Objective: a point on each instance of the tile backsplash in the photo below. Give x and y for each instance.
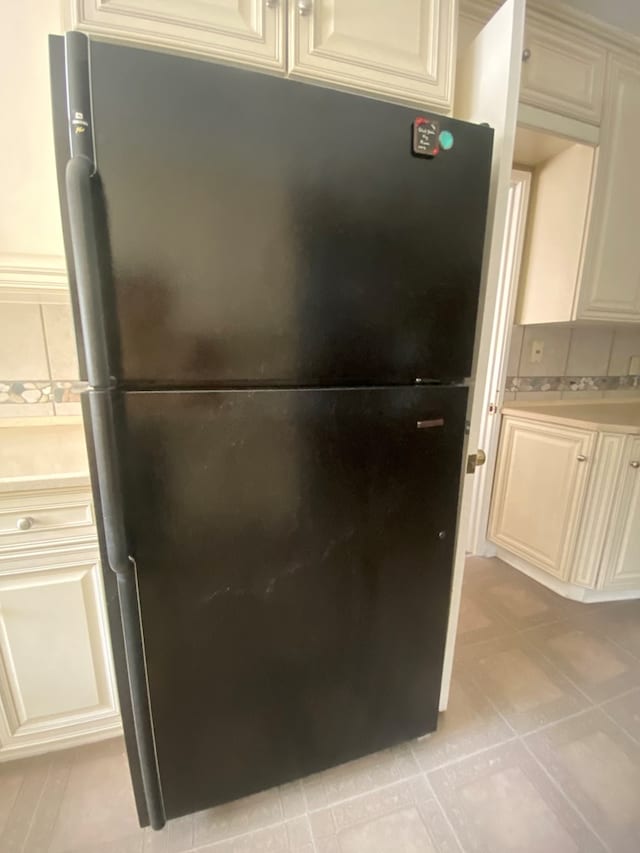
(561, 361)
(38, 361)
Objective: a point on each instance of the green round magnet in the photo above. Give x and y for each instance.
(446, 140)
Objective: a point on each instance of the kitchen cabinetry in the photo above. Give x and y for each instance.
(611, 280)
(566, 500)
(251, 32)
(57, 686)
(582, 256)
(401, 51)
(552, 265)
(539, 491)
(622, 555)
(561, 71)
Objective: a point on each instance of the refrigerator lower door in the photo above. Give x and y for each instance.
(294, 552)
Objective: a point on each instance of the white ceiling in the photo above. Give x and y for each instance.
(621, 13)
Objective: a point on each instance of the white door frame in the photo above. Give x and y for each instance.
(487, 90)
(500, 341)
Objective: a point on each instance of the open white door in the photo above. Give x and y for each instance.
(500, 339)
(487, 88)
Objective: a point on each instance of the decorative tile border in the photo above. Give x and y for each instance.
(572, 383)
(29, 391)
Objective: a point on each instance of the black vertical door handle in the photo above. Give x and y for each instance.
(80, 181)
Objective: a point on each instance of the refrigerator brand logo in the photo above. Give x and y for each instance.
(79, 123)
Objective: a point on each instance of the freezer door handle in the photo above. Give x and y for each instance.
(84, 243)
(430, 423)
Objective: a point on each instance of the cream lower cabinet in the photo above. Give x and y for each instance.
(566, 505)
(621, 557)
(57, 685)
(539, 490)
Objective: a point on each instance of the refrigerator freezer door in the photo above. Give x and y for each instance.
(294, 552)
(265, 231)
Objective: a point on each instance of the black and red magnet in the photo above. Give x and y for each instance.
(426, 133)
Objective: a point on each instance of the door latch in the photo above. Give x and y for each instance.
(474, 460)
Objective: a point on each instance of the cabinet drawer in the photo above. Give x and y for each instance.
(561, 74)
(33, 518)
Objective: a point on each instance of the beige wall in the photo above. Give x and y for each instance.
(29, 214)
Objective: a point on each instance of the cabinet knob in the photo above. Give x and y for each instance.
(526, 54)
(24, 523)
(271, 4)
(581, 457)
(304, 6)
(635, 464)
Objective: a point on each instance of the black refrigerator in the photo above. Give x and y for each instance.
(275, 288)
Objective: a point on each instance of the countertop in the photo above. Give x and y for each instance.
(79, 479)
(42, 449)
(603, 416)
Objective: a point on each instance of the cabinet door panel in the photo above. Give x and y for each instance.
(55, 673)
(622, 556)
(561, 74)
(611, 280)
(402, 50)
(539, 491)
(247, 31)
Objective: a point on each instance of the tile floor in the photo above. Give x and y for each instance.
(539, 752)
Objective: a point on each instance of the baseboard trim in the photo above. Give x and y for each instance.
(567, 590)
(15, 751)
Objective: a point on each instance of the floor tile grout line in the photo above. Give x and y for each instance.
(620, 646)
(594, 702)
(444, 814)
(311, 835)
(618, 725)
(623, 694)
(580, 620)
(565, 796)
(250, 832)
(473, 754)
(37, 806)
(19, 792)
(540, 653)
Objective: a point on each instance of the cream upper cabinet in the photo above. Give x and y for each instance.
(539, 490)
(552, 264)
(251, 32)
(561, 71)
(621, 559)
(401, 51)
(611, 279)
(404, 51)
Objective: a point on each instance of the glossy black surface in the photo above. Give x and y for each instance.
(264, 231)
(294, 583)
